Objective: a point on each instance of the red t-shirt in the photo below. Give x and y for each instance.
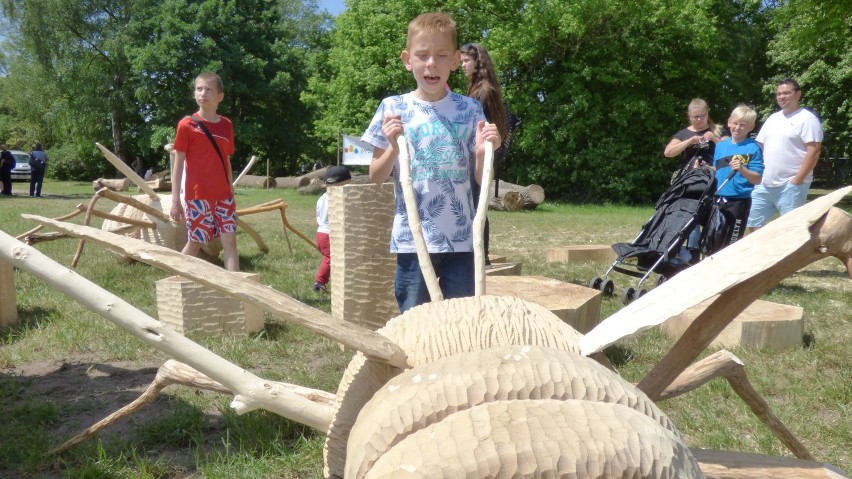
(205, 178)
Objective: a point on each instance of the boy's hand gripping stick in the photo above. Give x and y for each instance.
(414, 221)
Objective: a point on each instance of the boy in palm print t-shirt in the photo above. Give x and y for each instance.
(446, 133)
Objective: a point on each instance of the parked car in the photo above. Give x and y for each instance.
(21, 172)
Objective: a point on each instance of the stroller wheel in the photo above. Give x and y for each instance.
(596, 283)
(661, 280)
(642, 292)
(628, 296)
(608, 288)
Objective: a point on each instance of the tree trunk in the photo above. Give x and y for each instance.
(513, 197)
(255, 181)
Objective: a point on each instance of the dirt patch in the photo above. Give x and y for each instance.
(84, 392)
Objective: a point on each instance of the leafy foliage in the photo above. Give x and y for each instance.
(600, 86)
(813, 43)
(122, 71)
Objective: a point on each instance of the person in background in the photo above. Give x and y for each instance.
(697, 142)
(445, 132)
(7, 164)
(697, 145)
(203, 148)
(38, 166)
(791, 140)
(482, 85)
(334, 176)
(739, 166)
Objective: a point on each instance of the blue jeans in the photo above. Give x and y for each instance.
(454, 271)
(768, 200)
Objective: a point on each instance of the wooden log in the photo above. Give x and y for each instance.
(159, 185)
(272, 301)
(515, 197)
(121, 184)
(315, 186)
(291, 181)
(8, 299)
(252, 392)
(255, 181)
(742, 465)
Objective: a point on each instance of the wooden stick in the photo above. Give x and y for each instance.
(252, 391)
(355, 337)
(128, 171)
(122, 219)
(80, 209)
(414, 222)
(174, 372)
(726, 270)
(479, 221)
(246, 169)
(723, 363)
(91, 206)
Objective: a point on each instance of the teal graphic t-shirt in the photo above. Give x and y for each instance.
(441, 140)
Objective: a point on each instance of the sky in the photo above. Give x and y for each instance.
(334, 7)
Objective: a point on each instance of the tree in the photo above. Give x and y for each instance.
(123, 70)
(599, 85)
(813, 43)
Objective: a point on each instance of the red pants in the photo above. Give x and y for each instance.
(324, 271)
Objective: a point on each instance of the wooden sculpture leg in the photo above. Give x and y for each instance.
(725, 364)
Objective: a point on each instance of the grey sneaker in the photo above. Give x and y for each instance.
(320, 287)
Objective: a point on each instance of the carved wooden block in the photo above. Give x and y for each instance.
(495, 258)
(503, 269)
(580, 253)
(8, 300)
(578, 306)
(190, 307)
(762, 325)
(362, 267)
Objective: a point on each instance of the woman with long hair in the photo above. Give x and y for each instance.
(696, 142)
(482, 85)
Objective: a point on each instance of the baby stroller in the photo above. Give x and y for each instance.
(684, 206)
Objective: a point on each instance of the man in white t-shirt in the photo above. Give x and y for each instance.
(791, 140)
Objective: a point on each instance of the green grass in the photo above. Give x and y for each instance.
(187, 431)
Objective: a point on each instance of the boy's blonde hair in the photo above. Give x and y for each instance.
(213, 78)
(744, 113)
(435, 22)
